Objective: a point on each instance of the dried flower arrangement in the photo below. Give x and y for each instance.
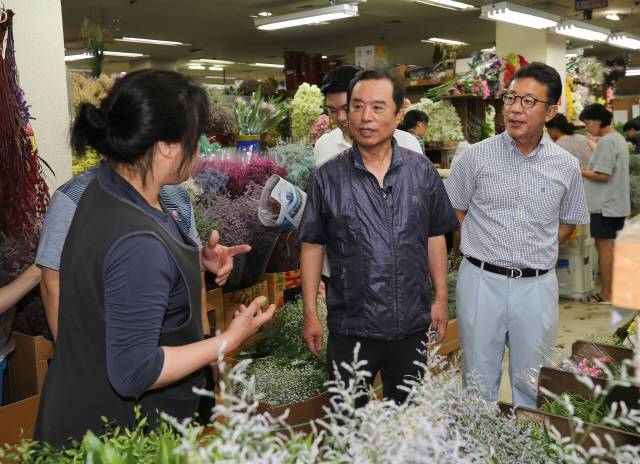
(90, 90)
(298, 159)
(248, 87)
(283, 368)
(241, 175)
(221, 119)
(80, 163)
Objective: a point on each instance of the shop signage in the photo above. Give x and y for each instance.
(591, 4)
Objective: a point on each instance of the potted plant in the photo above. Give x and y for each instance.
(255, 118)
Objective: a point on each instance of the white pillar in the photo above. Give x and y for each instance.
(39, 44)
(534, 45)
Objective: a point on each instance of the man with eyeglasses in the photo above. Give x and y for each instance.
(518, 197)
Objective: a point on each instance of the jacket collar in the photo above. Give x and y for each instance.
(396, 158)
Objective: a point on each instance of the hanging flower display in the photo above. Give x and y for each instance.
(617, 69)
(585, 70)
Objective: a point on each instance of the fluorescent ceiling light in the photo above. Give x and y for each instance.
(582, 31)
(571, 55)
(624, 40)
(324, 56)
(150, 41)
(215, 68)
(264, 13)
(131, 55)
(84, 56)
(519, 15)
(633, 72)
(448, 4)
(445, 41)
(219, 77)
(267, 65)
(316, 15)
(613, 17)
(217, 61)
(196, 67)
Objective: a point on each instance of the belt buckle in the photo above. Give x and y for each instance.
(511, 273)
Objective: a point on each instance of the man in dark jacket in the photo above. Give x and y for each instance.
(382, 212)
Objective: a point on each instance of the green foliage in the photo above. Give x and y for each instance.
(589, 411)
(285, 370)
(116, 446)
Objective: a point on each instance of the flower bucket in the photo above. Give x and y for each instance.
(248, 143)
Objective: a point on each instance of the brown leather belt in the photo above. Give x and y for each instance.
(511, 272)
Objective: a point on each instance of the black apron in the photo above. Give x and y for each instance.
(77, 391)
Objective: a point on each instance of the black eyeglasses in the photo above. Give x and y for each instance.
(527, 102)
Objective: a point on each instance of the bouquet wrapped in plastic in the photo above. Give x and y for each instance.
(281, 204)
(589, 360)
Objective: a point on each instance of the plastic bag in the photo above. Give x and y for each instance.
(544, 354)
(281, 204)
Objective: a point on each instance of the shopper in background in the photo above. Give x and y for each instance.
(130, 328)
(381, 210)
(606, 187)
(562, 131)
(631, 128)
(334, 88)
(12, 293)
(415, 122)
(518, 197)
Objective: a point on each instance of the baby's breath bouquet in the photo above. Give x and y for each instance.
(258, 116)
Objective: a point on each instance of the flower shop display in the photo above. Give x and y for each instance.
(248, 87)
(585, 70)
(89, 90)
(213, 92)
(403, 109)
(473, 86)
(439, 423)
(444, 122)
(634, 183)
(286, 254)
(222, 122)
(307, 106)
(298, 159)
(478, 130)
(80, 163)
(284, 371)
(241, 175)
(617, 69)
(256, 118)
(318, 128)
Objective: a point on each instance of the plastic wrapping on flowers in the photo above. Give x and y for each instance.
(298, 160)
(286, 254)
(485, 76)
(444, 122)
(585, 70)
(285, 370)
(307, 106)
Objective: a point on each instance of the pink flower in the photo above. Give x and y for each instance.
(596, 372)
(271, 108)
(264, 105)
(253, 102)
(240, 101)
(475, 89)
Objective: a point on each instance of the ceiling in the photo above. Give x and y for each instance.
(224, 30)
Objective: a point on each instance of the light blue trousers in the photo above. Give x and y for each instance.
(494, 311)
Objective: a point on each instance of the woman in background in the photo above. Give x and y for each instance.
(415, 122)
(562, 131)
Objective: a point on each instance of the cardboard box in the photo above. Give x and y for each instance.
(278, 284)
(26, 367)
(230, 304)
(371, 56)
(215, 309)
(18, 420)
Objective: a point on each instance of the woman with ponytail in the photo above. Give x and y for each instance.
(562, 131)
(130, 327)
(415, 122)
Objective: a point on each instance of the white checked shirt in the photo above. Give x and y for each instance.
(514, 203)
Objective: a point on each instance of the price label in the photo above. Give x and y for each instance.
(413, 83)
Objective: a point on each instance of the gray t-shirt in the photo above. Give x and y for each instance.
(578, 146)
(62, 207)
(610, 198)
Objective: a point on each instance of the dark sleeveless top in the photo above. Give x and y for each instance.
(77, 391)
